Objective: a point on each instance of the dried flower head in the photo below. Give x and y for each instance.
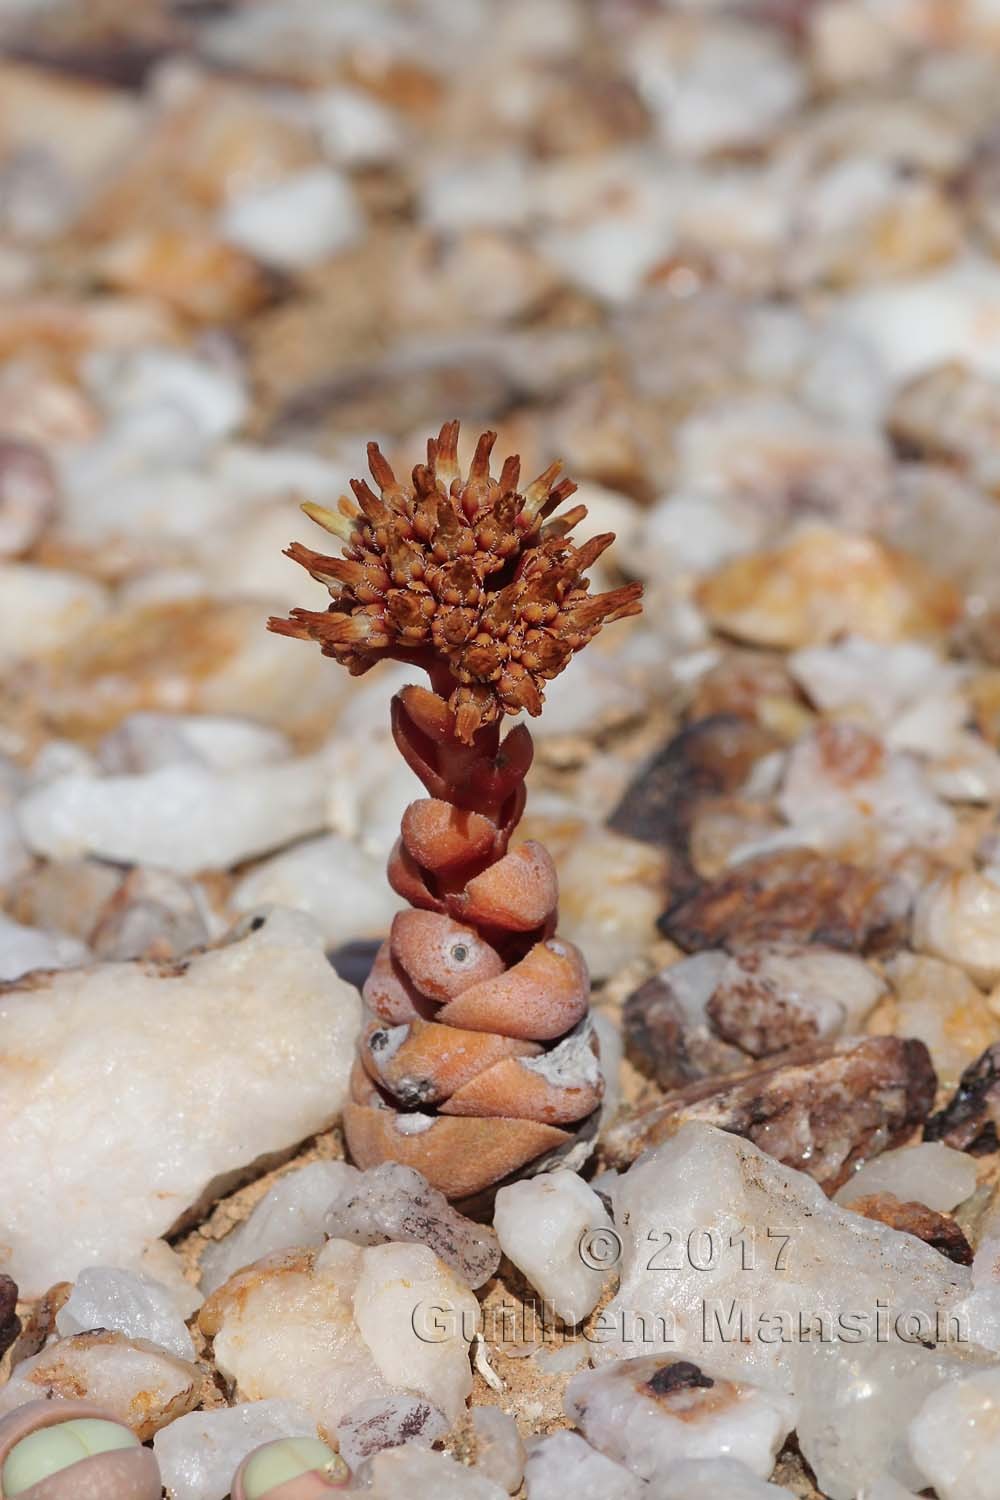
(461, 576)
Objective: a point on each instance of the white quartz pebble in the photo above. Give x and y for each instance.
(291, 1214)
(388, 1422)
(129, 1302)
(696, 1478)
(399, 1291)
(336, 1327)
(393, 1202)
(210, 394)
(651, 1412)
(957, 918)
(565, 1464)
(929, 1172)
(27, 495)
(143, 1092)
(354, 128)
(183, 818)
(414, 1473)
(131, 1379)
(23, 949)
(145, 741)
(44, 608)
(298, 222)
(199, 1454)
(499, 1447)
(955, 1437)
(340, 885)
(540, 1222)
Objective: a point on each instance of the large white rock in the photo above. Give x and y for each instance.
(650, 1414)
(413, 1473)
(903, 689)
(129, 1303)
(393, 1202)
(183, 818)
(930, 1173)
(199, 1453)
(955, 1437)
(211, 394)
(333, 1328)
(566, 1464)
(43, 608)
(388, 1422)
(340, 885)
(23, 949)
(754, 1273)
(130, 1379)
(552, 1228)
(856, 1402)
(298, 222)
(957, 918)
(499, 1447)
(695, 1478)
(145, 741)
(355, 130)
(291, 1215)
(130, 1094)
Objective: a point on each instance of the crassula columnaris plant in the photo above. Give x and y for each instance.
(69, 1450)
(478, 1057)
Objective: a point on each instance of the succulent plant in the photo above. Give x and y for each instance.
(69, 1450)
(290, 1469)
(478, 1058)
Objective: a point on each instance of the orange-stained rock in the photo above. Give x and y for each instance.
(823, 583)
(194, 272)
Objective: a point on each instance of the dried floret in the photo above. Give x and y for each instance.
(466, 577)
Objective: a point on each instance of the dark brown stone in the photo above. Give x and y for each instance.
(10, 1323)
(663, 1043)
(750, 1012)
(794, 895)
(708, 759)
(823, 1111)
(681, 1375)
(969, 1120)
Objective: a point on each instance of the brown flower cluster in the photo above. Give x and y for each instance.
(463, 576)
